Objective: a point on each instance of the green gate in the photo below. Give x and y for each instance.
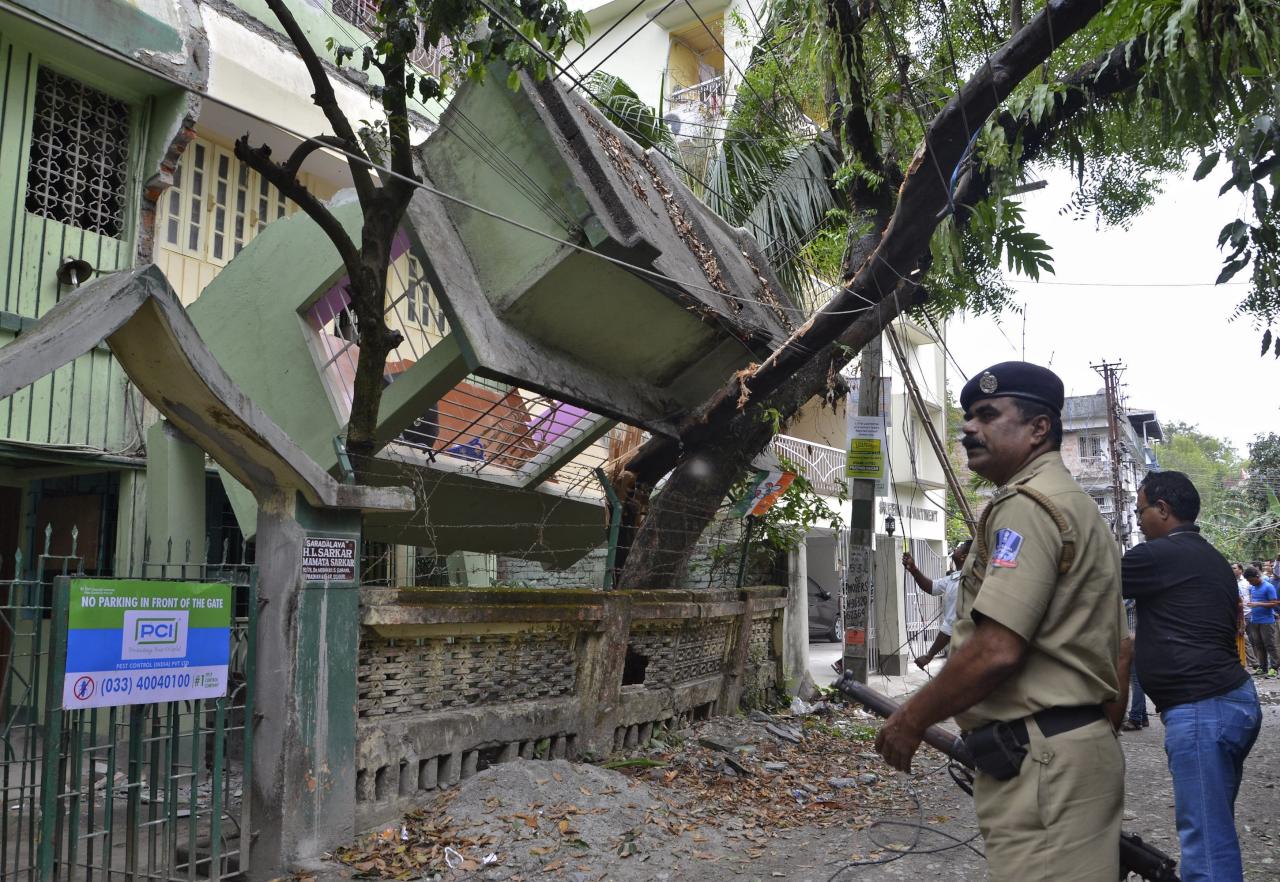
(155, 791)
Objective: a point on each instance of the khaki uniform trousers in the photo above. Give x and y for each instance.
(1059, 820)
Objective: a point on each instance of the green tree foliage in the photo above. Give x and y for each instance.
(1264, 469)
(625, 110)
(1185, 79)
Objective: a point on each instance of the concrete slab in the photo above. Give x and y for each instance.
(156, 344)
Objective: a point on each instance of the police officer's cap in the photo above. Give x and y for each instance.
(1014, 379)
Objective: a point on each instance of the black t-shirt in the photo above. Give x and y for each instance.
(1187, 604)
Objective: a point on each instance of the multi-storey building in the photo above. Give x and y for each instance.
(94, 116)
(1086, 451)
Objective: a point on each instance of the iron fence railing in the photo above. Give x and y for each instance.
(824, 466)
(152, 791)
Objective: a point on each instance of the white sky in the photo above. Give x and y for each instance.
(1186, 360)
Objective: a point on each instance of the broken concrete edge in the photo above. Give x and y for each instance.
(501, 352)
(563, 112)
(405, 600)
(158, 347)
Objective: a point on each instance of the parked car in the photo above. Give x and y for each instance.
(825, 625)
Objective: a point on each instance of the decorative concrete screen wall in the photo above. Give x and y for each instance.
(453, 681)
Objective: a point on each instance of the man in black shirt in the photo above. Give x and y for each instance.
(1187, 599)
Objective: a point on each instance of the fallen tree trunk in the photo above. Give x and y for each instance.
(720, 439)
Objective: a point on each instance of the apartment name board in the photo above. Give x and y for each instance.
(329, 559)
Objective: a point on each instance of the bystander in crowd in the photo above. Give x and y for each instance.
(1187, 606)
(1262, 622)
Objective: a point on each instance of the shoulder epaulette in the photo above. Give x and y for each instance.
(1068, 555)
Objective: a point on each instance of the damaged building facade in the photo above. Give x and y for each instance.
(177, 372)
(179, 355)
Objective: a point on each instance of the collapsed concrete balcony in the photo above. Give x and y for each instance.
(551, 281)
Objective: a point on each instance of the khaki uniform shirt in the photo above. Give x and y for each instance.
(1072, 623)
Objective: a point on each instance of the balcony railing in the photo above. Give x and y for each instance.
(692, 111)
(822, 465)
(364, 15)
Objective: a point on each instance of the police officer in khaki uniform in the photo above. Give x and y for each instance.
(1036, 679)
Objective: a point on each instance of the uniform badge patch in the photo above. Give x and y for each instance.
(1008, 544)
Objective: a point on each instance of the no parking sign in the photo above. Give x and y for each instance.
(138, 642)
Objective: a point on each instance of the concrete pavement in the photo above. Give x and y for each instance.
(822, 655)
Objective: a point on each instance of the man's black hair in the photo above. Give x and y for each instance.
(1176, 490)
(1251, 573)
(1029, 410)
(965, 546)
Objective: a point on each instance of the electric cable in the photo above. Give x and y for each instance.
(918, 827)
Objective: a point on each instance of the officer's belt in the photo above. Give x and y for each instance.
(1056, 720)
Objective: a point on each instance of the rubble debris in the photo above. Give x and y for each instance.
(721, 790)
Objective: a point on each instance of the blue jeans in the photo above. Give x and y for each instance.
(1137, 698)
(1206, 743)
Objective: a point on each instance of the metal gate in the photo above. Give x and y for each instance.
(923, 612)
(154, 791)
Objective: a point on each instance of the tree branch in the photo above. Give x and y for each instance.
(923, 195)
(259, 159)
(293, 165)
(326, 100)
(1114, 72)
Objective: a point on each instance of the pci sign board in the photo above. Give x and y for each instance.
(138, 642)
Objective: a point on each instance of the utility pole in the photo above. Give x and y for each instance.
(862, 527)
(1110, 373)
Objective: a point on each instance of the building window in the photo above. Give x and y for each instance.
(79, 168)
(217, 204)
(1090, 446)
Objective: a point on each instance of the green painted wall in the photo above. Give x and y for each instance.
(127, 26)
(501, 137)
(249, 317)
(82, 403)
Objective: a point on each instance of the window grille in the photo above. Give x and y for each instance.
(79, 168)
(421, 306)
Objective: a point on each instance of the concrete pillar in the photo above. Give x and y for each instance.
(891, 622)
(795, 626)
(304, 772)
(600, 683)
(175, 496)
